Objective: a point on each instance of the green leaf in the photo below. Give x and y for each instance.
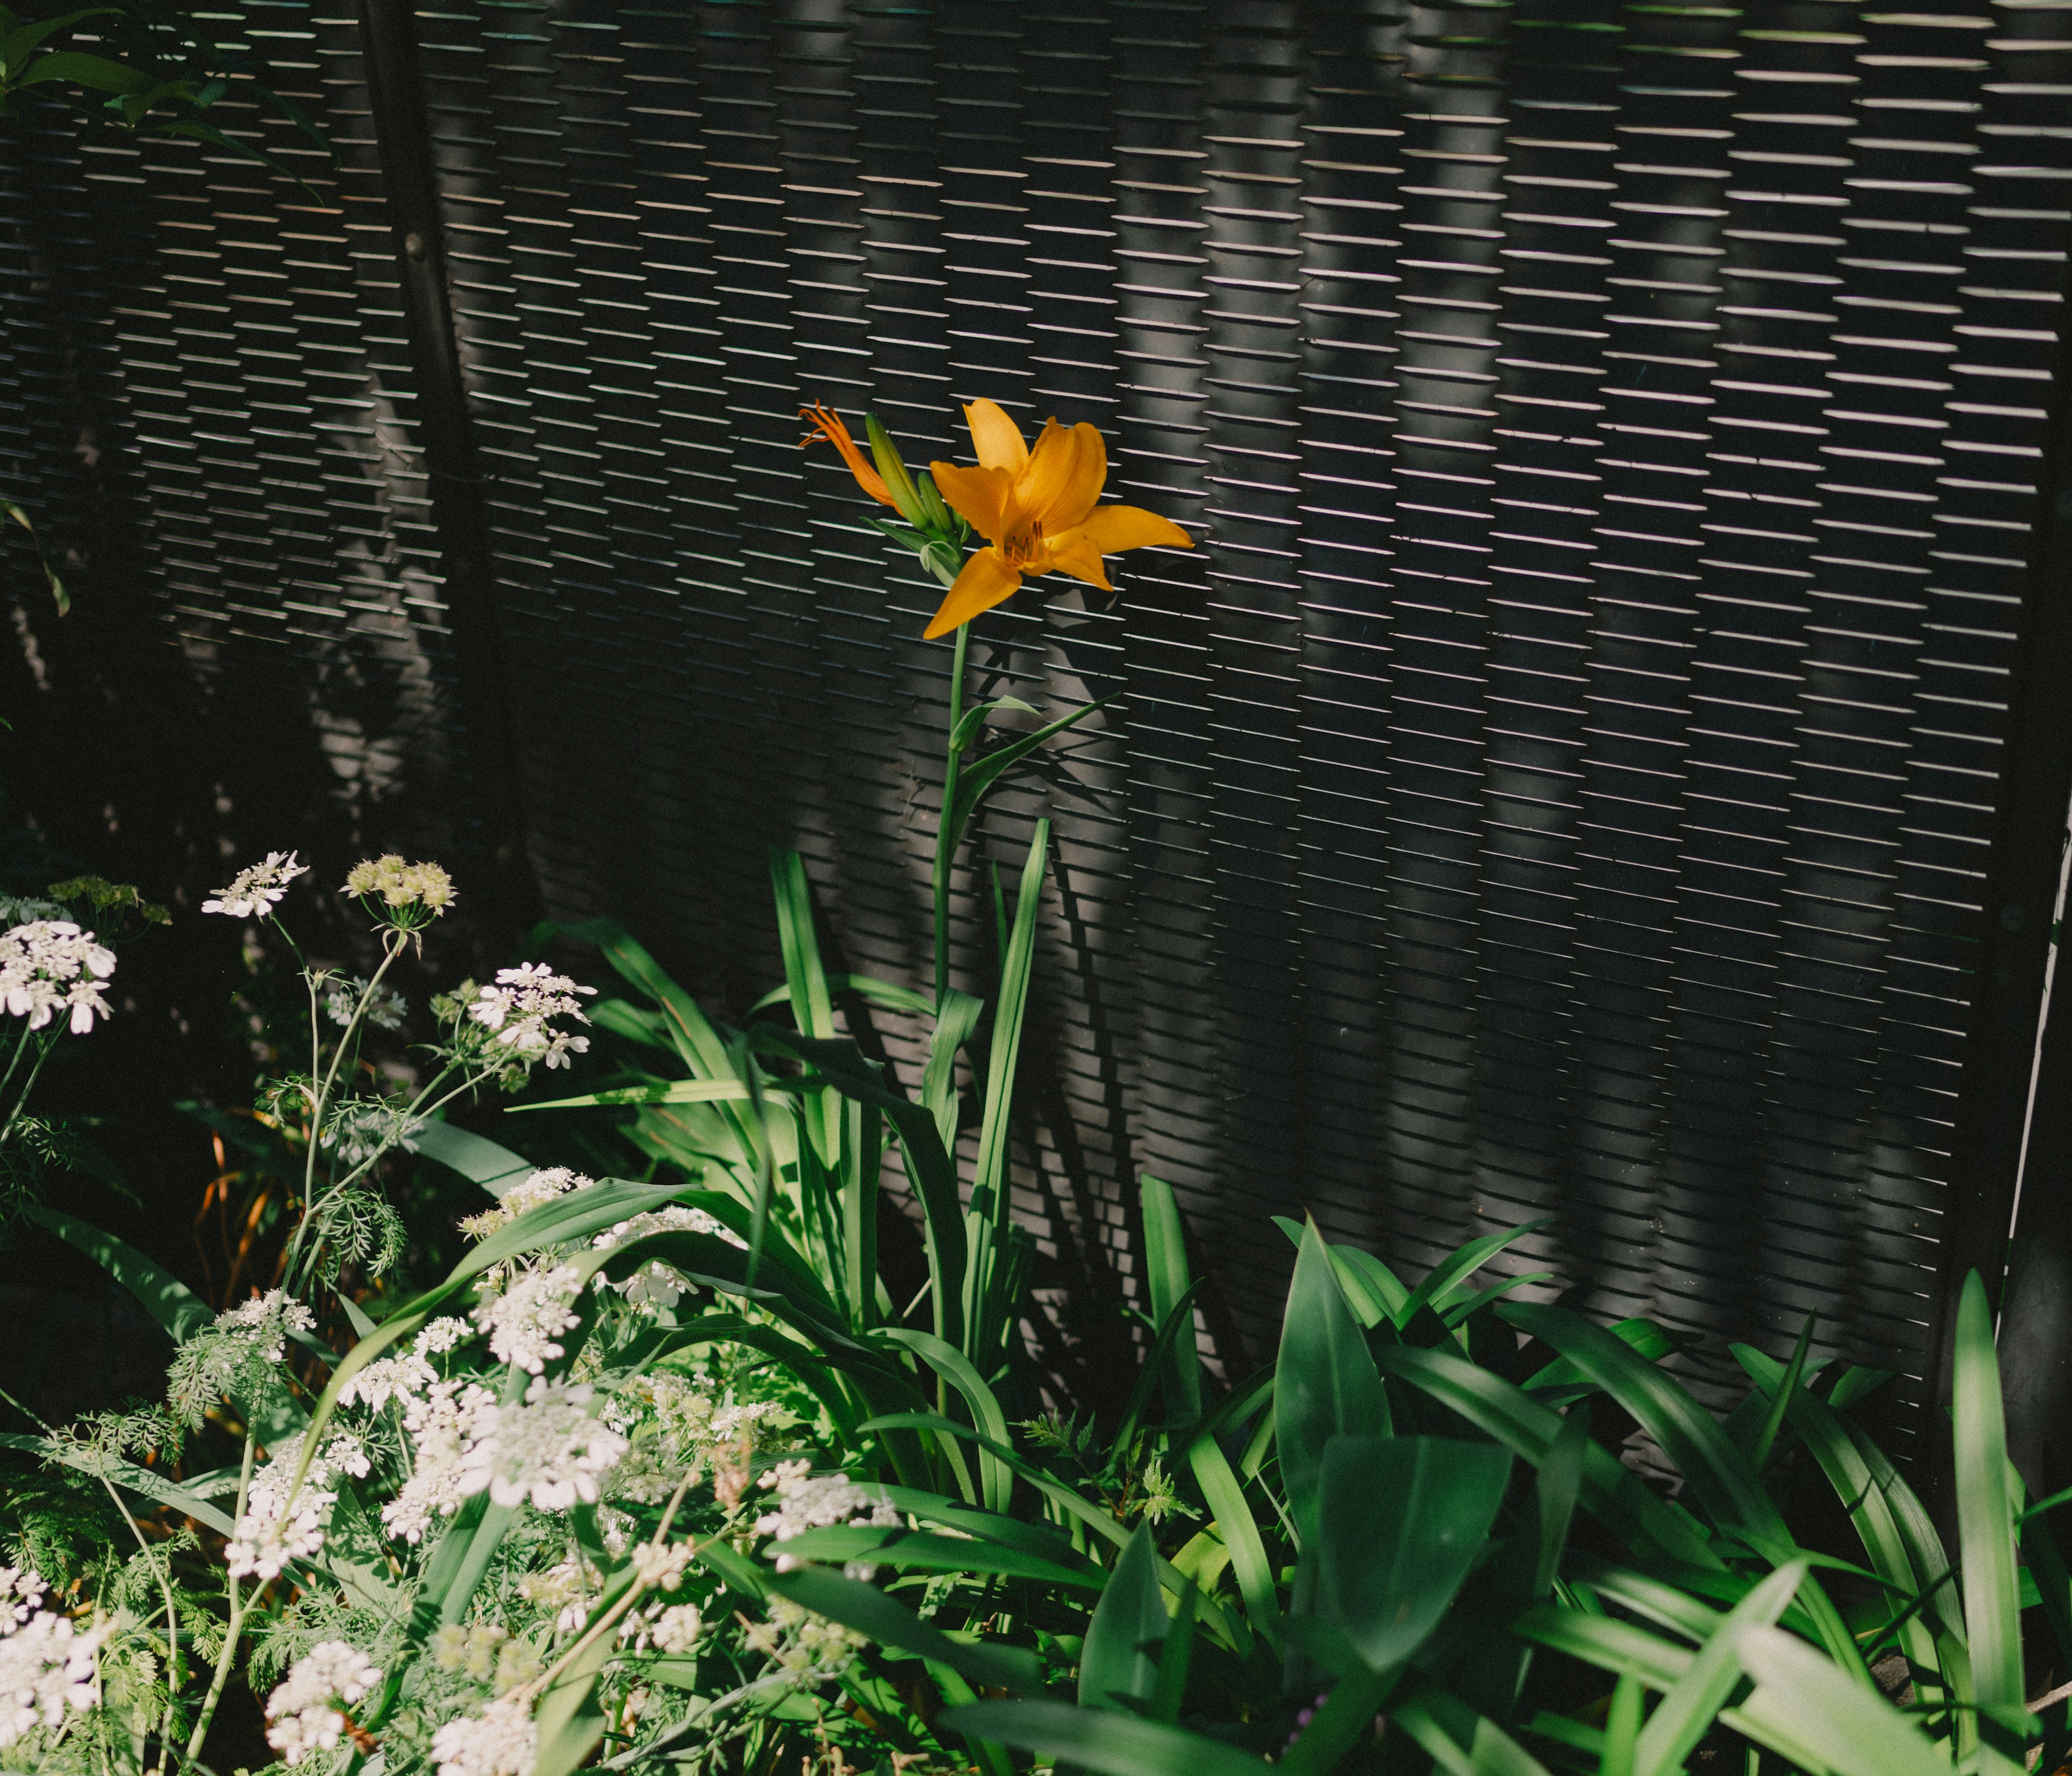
(951, 1364)
(168, 1301)
(1178, 1323)
(1120, 1660)
(1985, 1524)
(1686, 1712)
(1559, 1485)
(804, 974)
(1807, 1709)
(1225, 1498)
(1773, 1421)
(916, 1550)
(1325, 1385)
(955, 1022)
(1447, 1280)
(1037, 1538)
(980, 776)
(1620, 1647)
(1717, 1472)
(988, 1318)
(1611, 1492)
(1458, 1739)
(1167, 1275)
(869, 1611)
(1098, 1740)
(125, 1474)
(882, 993)
(928, 1166)
(1400, 1523)
(95, 72)
(570, 1722)
(495, 1168)
(674, 1091)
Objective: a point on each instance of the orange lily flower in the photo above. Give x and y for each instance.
(827, 423)
(1037, 510)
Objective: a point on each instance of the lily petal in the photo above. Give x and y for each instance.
(1110, 528)
(827, 422)
(996, 438)
(986, 581)
(1075, 553)
(1064, 478)
(983, 497)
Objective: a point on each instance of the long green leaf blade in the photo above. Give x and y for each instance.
(1985, 1524)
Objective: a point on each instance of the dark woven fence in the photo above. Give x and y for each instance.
(1563, 783)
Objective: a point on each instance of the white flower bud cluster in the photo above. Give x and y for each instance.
(517, 1008)
(264, 1323)
(50, 965)
(303, 1714)
(254, 893)
(542, 1186)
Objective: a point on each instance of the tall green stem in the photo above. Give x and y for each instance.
(227, 1657)
(945, 837)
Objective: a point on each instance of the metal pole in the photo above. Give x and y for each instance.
(494, 820)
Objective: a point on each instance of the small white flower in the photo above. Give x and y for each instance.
(676, 1630)
(501, 1741)
(661, 1568)
(386, 1007)
(548, 1448)
(302, 1714)
(807, 1502)
(522, 1323)
(254, 893)
(47, 1665)
(276, 1529)
(654, 1287)
(439, 1423)
(542, 1186)
(517, 1008)
(50, 965)
(265, 1321)
(389, 1377)
(21, 1596)
(441, 1335)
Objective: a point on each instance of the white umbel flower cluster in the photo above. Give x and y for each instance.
(654, 1287)
(50, 965)
(21, 1596)
(439, 1423)
(517, 1008)
(254, 893)
(302, 1715)
(523, 1322)
(48, 1663)
(403, 1377)
(548, 1449)
(275, 1529)
(501, 1741)
(264, 1321)
(544, 1186)
(807, 1501)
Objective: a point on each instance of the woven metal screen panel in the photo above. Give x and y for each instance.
(210, 412)
(1558, 784)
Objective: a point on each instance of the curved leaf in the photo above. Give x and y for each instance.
(1325, 1385)
(168, 1301)
(1114, 1663)
(1095, 1739)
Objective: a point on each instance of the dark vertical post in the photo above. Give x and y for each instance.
(2020, 901)
(2035, 1313)
(460, 515)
